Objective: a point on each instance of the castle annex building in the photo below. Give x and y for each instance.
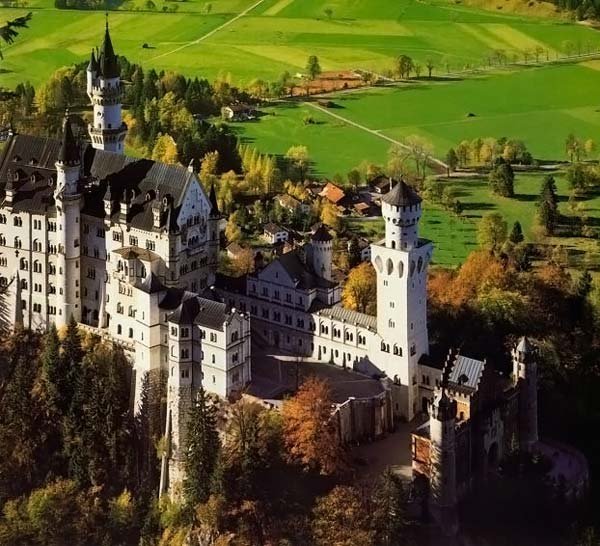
(129, 248)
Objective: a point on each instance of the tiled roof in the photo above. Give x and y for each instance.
(273, 228)
(337, 312)
(106, 174)
(401, 195)
(332, 193)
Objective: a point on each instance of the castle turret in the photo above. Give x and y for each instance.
(525, 379)
(401, 211)
(322, 252)
(401, 261)
(67, 198)
(107, 130)
(214, 218)
(442, 430)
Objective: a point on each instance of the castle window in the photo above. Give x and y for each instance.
(391, 323)
(37, 267)
(133, 240)
(185, 353)
(185, 374)
(17, 221)
(130, 332)
(2, 240)
(119, 329)
(117, 236)
(23, 265)
(235, 336)
(17, 242)
(2, 219)
(413, 351)
(3, 262)
(23, 284)
(185, 332)
(213, 337)
(397, 350)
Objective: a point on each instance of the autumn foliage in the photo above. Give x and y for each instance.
(309, 432)
(360, 289)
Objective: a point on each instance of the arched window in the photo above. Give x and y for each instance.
(389, 266)
(23, 265)
(23, 284)
(37, 267)
(119, 329)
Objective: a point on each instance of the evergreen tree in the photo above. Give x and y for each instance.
(516, 234)
(202, 450)
(54, 371)
(584, 285)
(501, 180)
(353, 253)
(548, 205)
(389, 510)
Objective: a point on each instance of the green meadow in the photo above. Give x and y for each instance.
(539, 105)
(279, 35)
(455, 237)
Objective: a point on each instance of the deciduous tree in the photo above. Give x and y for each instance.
(309, 432)
(360, 289)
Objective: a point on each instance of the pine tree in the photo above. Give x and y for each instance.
(548, 205)
(54, 372)
(516, 234)
(584, 285)
(502, 179)
(353, 253)
(388, 514)
(202, 450)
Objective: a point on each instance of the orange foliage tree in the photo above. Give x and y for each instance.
(309, 433)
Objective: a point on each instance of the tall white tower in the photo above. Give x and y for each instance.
(67, 198)
(107, 130)
(525, 378)
(401, 261)
(322, 252)
(442, 433)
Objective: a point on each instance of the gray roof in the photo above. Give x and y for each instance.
(189, 308)
(466, 372)
(337, 312)
(321, 234)
(300, 274)
(401, 195)
(106, 175)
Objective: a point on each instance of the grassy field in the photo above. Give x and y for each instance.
(455, 237)
(540, 106)
(279, 35)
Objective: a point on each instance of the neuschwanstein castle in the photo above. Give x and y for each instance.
(129, 248)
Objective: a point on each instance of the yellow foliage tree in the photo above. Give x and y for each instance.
(360, 289)
(165, 150)
(330, 216)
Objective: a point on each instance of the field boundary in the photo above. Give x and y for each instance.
(209, 33)
(431, 160)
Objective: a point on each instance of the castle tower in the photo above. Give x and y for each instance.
(107, 130)
(525, 378)
(442, 432)
(322, 252)
(67, 198)
(401, 261)
(185, 379)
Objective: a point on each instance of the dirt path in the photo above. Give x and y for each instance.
(431, 160)
(210, 33)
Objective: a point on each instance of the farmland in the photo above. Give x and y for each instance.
(278, 35)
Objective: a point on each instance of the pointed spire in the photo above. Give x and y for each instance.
(69, 150)
(109, 64)
(214, 210)
(93, 64)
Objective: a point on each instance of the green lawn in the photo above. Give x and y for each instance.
(279, 35)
